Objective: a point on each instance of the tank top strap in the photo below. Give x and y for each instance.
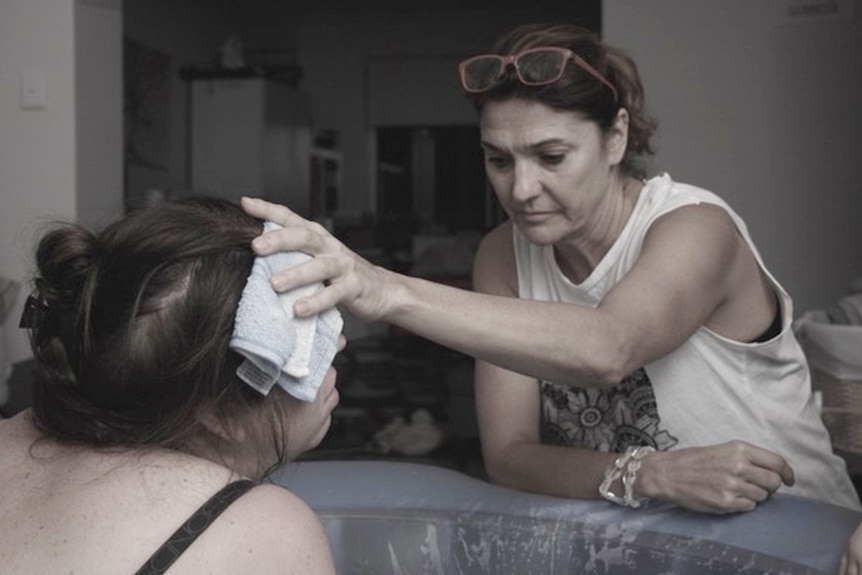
(182, 538)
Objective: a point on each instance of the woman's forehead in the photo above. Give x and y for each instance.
(523, 123)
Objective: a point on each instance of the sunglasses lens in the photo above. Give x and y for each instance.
(540, 66)
(479, 74)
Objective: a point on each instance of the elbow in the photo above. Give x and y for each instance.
(495, 469)
(502, 466)
(494, 473)
(610, 366)
(498, 473)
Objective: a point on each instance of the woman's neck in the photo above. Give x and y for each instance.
(577, 259)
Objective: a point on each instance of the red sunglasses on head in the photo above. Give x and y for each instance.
(533, 67)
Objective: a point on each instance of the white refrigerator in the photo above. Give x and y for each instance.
(251, 136)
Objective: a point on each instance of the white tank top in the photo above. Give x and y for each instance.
(707, 391)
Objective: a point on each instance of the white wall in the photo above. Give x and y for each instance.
(765, 112)
(41, 149)
(98, 111)
(37, 147)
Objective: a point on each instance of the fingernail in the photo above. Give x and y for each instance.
(278, 283)
(260, 244)
(301, 308)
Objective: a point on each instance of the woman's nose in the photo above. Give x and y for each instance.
(525, 182)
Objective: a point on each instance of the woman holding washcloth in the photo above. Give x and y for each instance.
(630, 342)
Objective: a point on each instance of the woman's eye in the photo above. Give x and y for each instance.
(497, 161)
(553, 159)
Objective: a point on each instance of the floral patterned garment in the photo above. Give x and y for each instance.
(603, 419)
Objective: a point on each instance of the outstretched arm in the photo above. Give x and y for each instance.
(688, 266)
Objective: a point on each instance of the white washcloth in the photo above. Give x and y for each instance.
(279, 347)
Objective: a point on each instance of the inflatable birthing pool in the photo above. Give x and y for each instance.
(390, 517)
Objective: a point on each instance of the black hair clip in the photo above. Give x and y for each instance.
(35, 310)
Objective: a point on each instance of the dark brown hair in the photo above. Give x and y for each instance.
(581, 92)
(137, 321)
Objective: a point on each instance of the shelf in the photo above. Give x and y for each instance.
(289, 74)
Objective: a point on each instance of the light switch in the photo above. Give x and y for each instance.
(31, 84)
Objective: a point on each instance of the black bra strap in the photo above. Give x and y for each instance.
(164, 557)
(774, 329)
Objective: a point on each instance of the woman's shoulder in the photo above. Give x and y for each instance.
(662, 194)
(682, 210)
(498, 242)
(501, 234)
(494, 267)
(276, 507)
(267, 530)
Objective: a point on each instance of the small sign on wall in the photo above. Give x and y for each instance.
(803, 11)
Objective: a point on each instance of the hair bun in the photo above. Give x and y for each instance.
(64, 258)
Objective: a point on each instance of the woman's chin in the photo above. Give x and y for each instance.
(333, 399)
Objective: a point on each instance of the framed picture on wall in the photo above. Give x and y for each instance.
(146, 121)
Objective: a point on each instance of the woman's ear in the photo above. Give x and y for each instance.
(618, 137)
(218, 428)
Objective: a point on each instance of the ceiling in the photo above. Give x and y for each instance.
(317, 10)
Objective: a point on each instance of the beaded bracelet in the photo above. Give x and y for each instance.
(612, 473)
(631, 474)
(625, 466)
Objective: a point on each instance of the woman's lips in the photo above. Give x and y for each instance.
(533, 217)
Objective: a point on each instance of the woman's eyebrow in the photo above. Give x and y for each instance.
(529, 147)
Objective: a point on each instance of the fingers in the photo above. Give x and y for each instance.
(264, 210)
(735, 495)
(754, 492)
(765, 480)
(310, 238)
(321, 301)
(348, 279)
(760, 472)
(315, 270)
(731, 477)
(773, 462)
(297, 233)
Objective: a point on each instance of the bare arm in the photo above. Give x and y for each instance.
(508, 409)
(683, 276)
(508, 406)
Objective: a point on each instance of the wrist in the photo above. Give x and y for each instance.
(649, 478)
(386, 298)
(413, 303)
(624, 470)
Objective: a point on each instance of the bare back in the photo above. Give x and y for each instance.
(74, 509)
